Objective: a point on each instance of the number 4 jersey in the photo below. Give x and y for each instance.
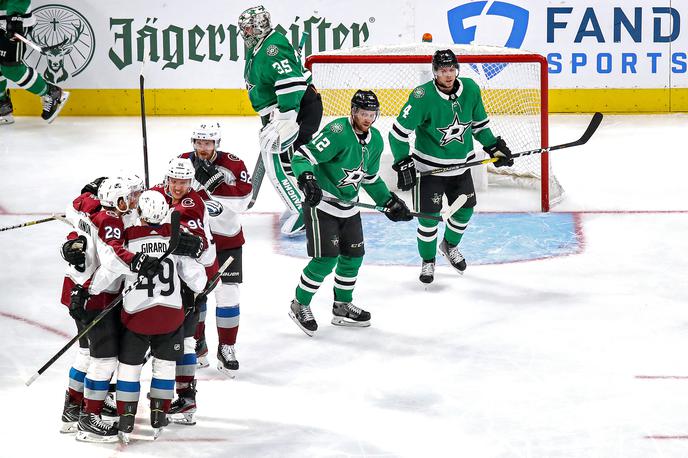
(155, 306)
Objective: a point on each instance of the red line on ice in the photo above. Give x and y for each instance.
(662, 377)
(31, 322)
(666, 437)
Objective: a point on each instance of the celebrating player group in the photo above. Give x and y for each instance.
(159, 253)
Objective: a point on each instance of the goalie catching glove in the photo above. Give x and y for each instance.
(311, 190)
(406, 173)
(208, 175)
(501, 152)
(396, 209)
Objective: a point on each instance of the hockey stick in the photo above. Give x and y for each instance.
(589, 131)
(142, 79)
(259, 169)
(444, 215)
(40, 49)
(209, 287)
(174, 242)
(55, 217)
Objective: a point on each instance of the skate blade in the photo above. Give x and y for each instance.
(228, 372)
(68, 427)
(341, 321)
(202, 362)
(157, 432)
(63, 100)
(296, 320)
(84, 436)
(8, 119)
(460, 272)
(124, 438)
(182, 419)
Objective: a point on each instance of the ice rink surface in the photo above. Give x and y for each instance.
(582, 352)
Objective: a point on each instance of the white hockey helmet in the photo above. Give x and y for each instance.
(181, 169)
(135, 183)
(153, 208)
(254, 24)
(113, 189)
(207, 130)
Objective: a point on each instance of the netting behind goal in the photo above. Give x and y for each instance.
(513, 87)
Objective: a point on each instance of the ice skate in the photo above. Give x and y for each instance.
(453, 255)
(109, 411)
(347, 314)
(125, 425)
(201, 354)
(53, 102)
(70, 415)
(183, 408)
(226, 360)
(91, 428)
(303, 317)
(6, 109)
(158, 417)
(427, 272)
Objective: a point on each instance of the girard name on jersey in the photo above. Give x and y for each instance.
(154, 247)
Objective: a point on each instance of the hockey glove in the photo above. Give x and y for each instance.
(74, 252)
(15, 24)
(396, 209)
(311, 191)
(500, 151)
(198, 303)
(208, 175)
(93, 186)
(189, 245)
(77, 303)
(148, 266)
(406, 173)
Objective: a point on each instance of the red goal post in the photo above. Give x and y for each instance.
(514, 86)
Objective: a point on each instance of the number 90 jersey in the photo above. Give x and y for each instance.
(155, 306)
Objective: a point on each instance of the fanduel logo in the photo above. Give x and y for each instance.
(466, 35)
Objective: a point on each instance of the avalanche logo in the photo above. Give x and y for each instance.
(466, 35)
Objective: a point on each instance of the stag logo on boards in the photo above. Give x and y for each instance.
(72, 40)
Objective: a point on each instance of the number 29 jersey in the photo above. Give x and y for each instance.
(155, 306)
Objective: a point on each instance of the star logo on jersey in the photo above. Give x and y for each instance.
(453, 131)
(352, 177)
(335, 240)
(436, 198)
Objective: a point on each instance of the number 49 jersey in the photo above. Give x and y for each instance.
(155, 306)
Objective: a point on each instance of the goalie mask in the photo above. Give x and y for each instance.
(444, 58)
(153, 208)
(254, 24)
(207, 131)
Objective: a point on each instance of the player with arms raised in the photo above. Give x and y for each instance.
(445, 113)
(344, 156)
(281, 92)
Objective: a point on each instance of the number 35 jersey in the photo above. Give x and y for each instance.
(155, 306)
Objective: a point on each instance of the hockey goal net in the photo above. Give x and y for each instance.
(513, 86)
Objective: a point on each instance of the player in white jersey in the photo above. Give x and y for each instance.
(152, 316)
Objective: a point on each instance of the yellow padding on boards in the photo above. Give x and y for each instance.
(193, 102)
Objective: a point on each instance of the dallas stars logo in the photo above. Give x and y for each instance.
(352, 177)
(453, 131)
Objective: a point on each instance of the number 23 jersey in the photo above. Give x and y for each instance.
(155, 306)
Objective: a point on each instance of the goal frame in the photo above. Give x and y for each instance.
(467, 59)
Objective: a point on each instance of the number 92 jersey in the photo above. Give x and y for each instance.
(155, 306)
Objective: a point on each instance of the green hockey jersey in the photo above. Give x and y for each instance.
(444, 124)
(10, 7)
(341, 163)
(274, 75)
